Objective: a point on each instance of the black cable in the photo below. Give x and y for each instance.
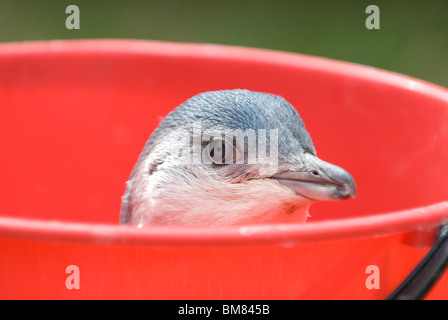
(428, 271)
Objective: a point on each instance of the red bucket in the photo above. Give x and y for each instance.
(75, 115)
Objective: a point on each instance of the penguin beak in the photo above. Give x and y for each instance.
(319, 180)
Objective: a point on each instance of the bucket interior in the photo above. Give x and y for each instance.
(74, 117)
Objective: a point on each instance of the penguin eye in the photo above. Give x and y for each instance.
(220, 151)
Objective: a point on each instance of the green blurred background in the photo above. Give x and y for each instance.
(413, 38)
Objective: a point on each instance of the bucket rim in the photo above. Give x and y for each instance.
(220, 51)
(376, 225)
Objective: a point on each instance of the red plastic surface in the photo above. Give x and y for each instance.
(74, 116)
